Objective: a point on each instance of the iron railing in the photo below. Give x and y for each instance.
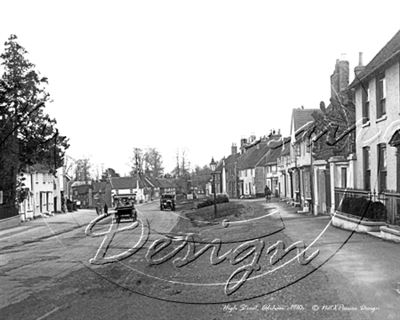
(390, 199)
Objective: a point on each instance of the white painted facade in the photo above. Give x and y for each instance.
(41, 190)
(247, 177)
(378, 130)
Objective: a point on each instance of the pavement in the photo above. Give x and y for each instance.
(45, 227)
(361, 267)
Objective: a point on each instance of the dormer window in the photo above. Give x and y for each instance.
(380, 96)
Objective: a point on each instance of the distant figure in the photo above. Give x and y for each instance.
(99, 209)
(105, 208)
(267, 192)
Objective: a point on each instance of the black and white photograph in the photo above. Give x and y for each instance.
(207, 160)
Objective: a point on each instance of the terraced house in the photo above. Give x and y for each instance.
(377, 101)
(298, 166)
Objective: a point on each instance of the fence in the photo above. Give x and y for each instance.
(390, 199)
(341, 194)
(392, 204)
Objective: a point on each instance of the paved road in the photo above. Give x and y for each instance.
(35, 257)
(48, 277)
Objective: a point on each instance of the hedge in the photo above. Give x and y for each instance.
(361, 207)
(221, 198)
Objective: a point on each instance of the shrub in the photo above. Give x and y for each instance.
(220, 198)
(377, 211)
(345, 205)
(362, 207)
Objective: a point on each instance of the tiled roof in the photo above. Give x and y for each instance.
(130, 182)
(285, 151)
(123, 182)
(146, 181)
(165, 183)
(99, 187)
(274, 152)
(253, 156)
(300, 117)
(230, 160)
(390, 51)
(39, 168)
(82, 189)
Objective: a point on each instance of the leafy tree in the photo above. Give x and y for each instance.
(22, 103)
(109, 173)
(153, 163)
(82, 170)
(200, 177)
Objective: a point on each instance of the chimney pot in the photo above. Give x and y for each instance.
(360, 68)
(360, 59)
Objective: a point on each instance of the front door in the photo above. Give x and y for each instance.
(321, 192)
(328, 190)
(41, 202)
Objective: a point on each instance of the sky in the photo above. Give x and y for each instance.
(188, 76)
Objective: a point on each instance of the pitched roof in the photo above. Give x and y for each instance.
(389, 52)
(165, 183)
(301, 117)
(82, 189)
(99, 186)
(130, 182)
(42, 168)
(285, 151)
(253, 155)
(146, 181)
(231, 159)
(80, 183)
(274, 152)
(123, 182)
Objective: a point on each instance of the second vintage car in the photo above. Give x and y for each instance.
(167, 201)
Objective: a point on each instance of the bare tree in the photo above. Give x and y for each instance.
(137, 162)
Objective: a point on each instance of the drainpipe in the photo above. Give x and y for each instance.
(312, 176)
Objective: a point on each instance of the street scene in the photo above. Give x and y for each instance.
(46, 272)
(214, 160)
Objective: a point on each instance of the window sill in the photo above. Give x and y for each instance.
(384, 117)
(367, 124)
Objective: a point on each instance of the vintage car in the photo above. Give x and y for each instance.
(124, 207)
(167, 201)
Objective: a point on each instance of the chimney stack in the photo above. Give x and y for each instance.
(275, 134)
(243, 143)
(360, 68)
(339, 78)
(234, 148)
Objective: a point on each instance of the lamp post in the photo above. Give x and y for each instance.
(213, 166)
